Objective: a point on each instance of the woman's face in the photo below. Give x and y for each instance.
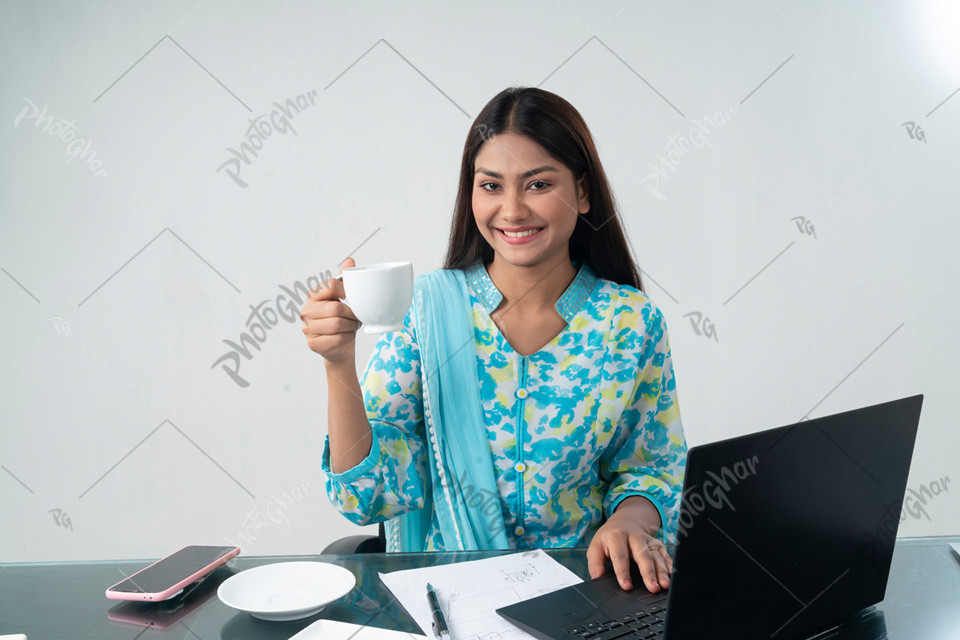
(519, 189)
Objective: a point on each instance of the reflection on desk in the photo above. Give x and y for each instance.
(165, 614)
(55, 601)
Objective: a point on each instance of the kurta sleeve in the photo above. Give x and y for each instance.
(388, 482)
(648, 453)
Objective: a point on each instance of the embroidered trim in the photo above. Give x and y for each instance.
(577, 293)
(569, 304)
(483, 287)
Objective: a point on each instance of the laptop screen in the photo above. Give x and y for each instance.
(787, 531)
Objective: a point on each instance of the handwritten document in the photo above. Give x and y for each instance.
(470, 592)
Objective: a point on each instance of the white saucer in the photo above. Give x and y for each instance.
(286, 590)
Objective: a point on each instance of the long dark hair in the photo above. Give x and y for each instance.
(555, 125)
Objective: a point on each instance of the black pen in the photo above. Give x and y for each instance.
(439, 624)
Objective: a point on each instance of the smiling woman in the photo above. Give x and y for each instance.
(563, 409)
(543, 139)
(527, 216)
(547, 197)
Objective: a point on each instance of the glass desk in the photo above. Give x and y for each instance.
(61, 601)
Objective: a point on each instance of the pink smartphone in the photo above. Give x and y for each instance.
(167, 577)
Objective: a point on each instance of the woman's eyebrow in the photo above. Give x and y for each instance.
(525, 174)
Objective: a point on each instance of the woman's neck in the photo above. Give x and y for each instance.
(535, 288)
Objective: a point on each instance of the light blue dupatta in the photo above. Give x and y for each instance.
(460, 465)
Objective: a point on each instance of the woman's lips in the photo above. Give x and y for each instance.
(521, 240)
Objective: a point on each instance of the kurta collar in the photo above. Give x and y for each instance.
(568, 305)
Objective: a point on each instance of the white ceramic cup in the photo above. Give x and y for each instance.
(379, 294)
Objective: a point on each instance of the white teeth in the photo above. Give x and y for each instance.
(522, 234)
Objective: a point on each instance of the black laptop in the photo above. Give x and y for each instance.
(784, 534)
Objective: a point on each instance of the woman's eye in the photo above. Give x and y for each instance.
(538, 185)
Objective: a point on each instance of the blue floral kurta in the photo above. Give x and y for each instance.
(588, 420)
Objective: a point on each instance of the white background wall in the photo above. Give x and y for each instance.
(719, 124)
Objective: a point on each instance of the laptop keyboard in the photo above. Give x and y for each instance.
(643, 624)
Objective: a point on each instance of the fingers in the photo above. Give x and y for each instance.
(612, 545)
(620, 559)
(326, 310)
(668, 560)
(331, 289)
(328, 323)
(619, 545)
(331, 337)
(329, 344)
(596, 558)
(651, 557)
(330, 334)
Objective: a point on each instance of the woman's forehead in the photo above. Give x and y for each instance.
(513, 152)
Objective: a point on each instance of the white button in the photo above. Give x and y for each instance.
(519, 467)
(518, 531)
(521, 393)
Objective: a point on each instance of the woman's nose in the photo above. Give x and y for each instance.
(514, 206)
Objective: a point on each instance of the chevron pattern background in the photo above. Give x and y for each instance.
(174, 173)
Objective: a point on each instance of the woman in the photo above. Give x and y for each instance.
(530, 399)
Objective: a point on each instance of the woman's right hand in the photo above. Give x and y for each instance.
(328, 324)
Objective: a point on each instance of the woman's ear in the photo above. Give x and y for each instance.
(583, 194)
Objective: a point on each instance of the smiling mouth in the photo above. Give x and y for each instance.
(526, 233)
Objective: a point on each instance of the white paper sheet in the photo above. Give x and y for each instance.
(335, 630)
(470, 592)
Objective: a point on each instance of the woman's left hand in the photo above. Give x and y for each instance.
(629, 532)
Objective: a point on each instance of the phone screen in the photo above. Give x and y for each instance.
(172, 569)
